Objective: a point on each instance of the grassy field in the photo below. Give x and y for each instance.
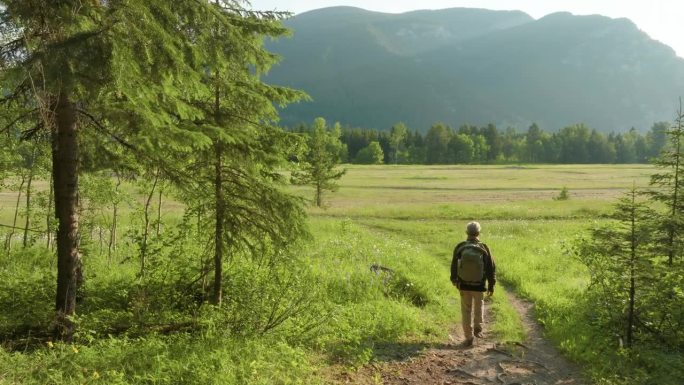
(406, 218)
(529, 231)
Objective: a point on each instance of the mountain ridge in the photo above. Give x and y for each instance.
(464, 65)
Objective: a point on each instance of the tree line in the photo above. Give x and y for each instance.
(488, 144)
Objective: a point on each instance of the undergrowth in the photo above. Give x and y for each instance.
(160, 330)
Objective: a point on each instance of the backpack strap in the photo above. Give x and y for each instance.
(478, 244)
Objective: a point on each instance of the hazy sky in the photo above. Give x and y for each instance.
(661, 19)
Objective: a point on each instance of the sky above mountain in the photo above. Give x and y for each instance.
(660, 19)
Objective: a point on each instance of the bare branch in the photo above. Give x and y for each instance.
(104, 129)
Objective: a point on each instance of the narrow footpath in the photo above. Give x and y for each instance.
(534, 362)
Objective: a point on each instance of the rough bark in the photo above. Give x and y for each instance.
(65, 168)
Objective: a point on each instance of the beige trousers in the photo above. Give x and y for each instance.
(471, 302)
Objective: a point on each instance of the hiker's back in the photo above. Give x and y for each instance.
(471, 264)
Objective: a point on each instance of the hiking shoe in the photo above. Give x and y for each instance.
(478, 333)
(468, 342)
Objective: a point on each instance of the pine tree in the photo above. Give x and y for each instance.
(618, 259)
(667, 319)
(242, 162)
(319, 163)
(669, 189)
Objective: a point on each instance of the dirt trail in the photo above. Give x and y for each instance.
(534, 362)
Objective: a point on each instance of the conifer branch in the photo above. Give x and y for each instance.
(104, 129)
(235, 9)
(30, 133)
(21, 90)
(171, 173)
(15, 121)
(247, 120)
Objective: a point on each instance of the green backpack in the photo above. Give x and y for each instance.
(471, 263)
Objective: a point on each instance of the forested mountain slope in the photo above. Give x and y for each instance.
(476, 66)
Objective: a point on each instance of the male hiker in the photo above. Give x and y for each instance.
(471, 268)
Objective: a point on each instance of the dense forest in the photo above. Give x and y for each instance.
(489, 145)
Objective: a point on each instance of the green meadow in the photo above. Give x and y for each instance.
(530, 231)
(404, 218)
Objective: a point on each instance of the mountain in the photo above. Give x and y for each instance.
(477, 66)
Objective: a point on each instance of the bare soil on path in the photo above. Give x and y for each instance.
(534, 362)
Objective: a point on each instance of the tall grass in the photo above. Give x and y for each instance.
(407, 219)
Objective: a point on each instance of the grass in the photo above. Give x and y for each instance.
(528, 231)
(404, 218)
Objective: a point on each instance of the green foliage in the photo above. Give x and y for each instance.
(136, 329)
(397, 143)
(436, 142)
(372, 154)
(563, 195)
(172, 84)
(161, 360)
(621, 273)
(462, 149)
(507, 325)
(318, 166)
(486, 145)
(26, 297)
(374, 306)
(637, 273)
(400, 287)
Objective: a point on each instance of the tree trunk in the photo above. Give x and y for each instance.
(319, 193)
(112, 231)
(8, 242)
(100, 236)
(159, 210)
(143, 247)
(49, 215)
(65, 168)
(27, 223)
(220, 204)
(220, 207)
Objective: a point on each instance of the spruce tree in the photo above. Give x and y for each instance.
(666, 320)
(242, 166)
(618, 259)
(669, 189)
(320, 160)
